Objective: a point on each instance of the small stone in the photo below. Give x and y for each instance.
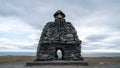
(69, 35)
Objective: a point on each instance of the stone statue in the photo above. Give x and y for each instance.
(59, 35)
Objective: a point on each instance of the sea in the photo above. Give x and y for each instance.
(86, 54)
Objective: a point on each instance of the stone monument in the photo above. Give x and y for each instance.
(59, 35)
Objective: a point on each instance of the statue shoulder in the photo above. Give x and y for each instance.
(68, 22)
(49, 23)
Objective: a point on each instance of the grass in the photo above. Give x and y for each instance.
(105, 59)
(10, 59)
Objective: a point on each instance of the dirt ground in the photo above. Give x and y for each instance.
(94, 62)
(91, 65)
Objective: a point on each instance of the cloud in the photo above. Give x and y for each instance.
(15, 25)
(97, 23)
(99, 40)
(16, 35)
(8, 45)
(96, 39)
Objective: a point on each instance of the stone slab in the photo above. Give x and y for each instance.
(53, 63)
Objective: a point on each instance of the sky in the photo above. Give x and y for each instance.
(96, 21)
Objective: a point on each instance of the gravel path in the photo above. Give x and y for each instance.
(91, 65)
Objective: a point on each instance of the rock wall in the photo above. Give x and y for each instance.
(59, 35)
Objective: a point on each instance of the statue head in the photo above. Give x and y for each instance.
(59, 14)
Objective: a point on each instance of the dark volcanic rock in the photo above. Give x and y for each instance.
(59, 35)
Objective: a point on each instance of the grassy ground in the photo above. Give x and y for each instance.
(107, 59)
(10, 59)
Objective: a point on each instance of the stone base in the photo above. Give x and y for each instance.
(58, 62)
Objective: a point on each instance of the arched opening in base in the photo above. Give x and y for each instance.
(59, 54)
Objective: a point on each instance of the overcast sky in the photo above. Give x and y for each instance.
(97, 23)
